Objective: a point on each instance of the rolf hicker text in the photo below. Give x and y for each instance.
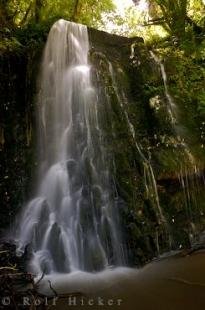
(71, 301)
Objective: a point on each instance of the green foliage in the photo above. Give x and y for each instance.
(91, 11)
(27, 23)
(186, 74)
(181, 20)
(20, 12)
(201, 102)
(186, 83)
(33, 34)
(196, 11)
(179, 17)
(174, 14)
(9, 45)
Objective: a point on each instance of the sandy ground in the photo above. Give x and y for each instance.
(175, 283)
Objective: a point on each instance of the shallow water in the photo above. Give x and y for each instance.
(173, 283)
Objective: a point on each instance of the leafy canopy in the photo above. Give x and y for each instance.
(18, 13)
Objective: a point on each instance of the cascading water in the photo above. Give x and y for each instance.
(149, 177)
(171, 108)
(188, 174)
(72, 223)
(150, 181)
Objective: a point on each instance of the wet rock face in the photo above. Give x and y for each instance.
(142, 94)
(138, 81)
(17, 133)
(13, 140)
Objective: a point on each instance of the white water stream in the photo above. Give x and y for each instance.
(72, 221)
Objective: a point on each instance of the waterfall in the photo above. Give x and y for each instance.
(171, 107)
(149, 177)
(72, 223)
(188, 172)
(172, 110)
